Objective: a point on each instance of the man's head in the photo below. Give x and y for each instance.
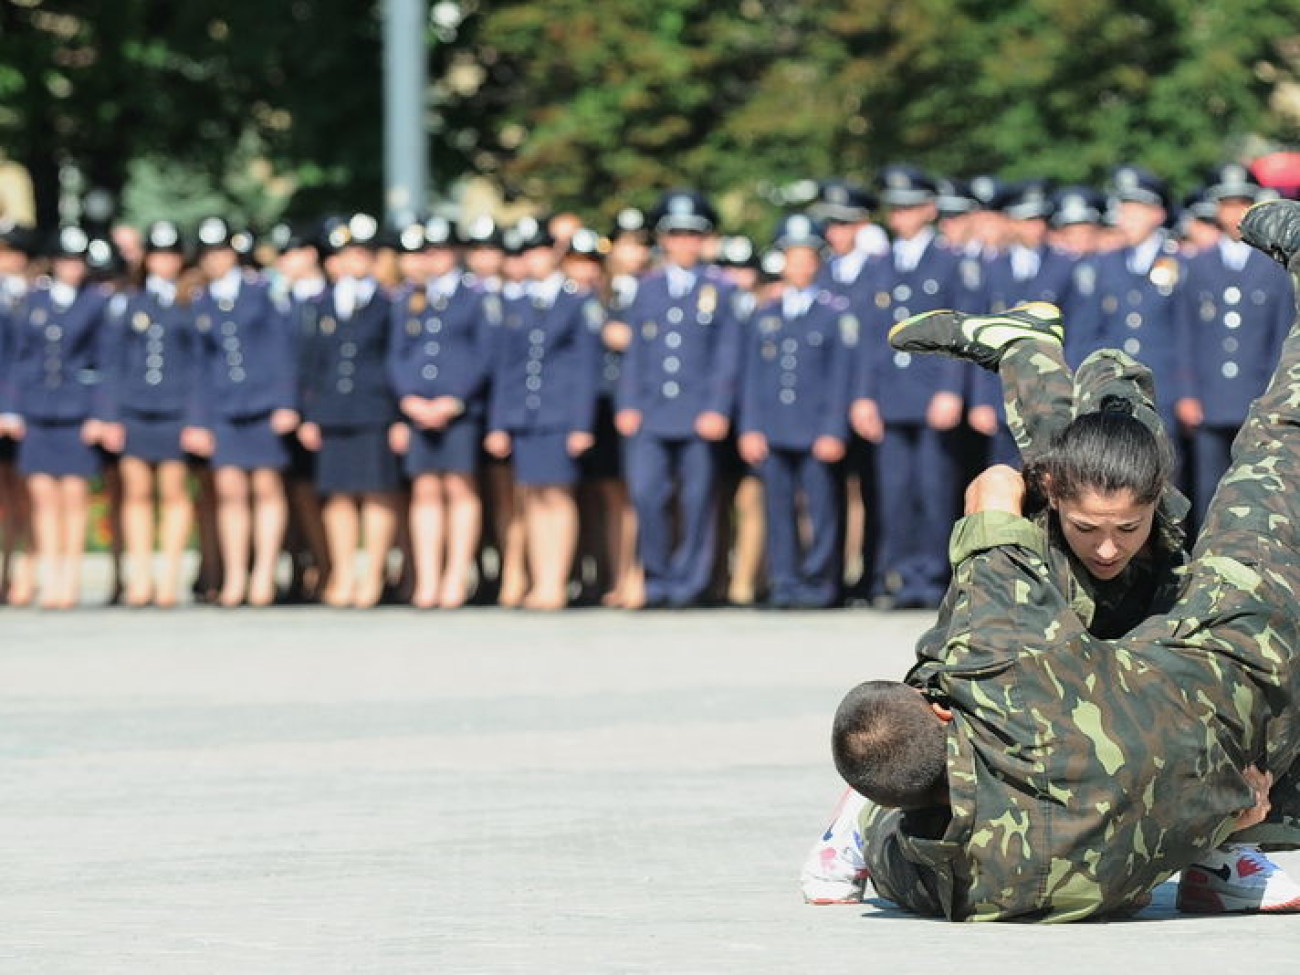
(890, 744)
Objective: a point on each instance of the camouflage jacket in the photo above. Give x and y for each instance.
(1084, 772)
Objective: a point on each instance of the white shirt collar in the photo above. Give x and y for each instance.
(1234, 253)
(1144, 254)
(444, 285)
(226, 287)
(546, 290)
(164, 290)
(62, 294)
(907, 253)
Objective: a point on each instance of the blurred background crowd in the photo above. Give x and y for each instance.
(629, 350)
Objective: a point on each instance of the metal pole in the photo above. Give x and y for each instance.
(406, 144)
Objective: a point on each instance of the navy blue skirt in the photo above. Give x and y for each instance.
(452, 450)
(356, 460)
(541, 458)
(152, 437)
(249, 444)
(55, 447)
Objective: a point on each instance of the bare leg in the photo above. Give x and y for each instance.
(464, 525)
(270, 518)
(342, 532)
(177, 520)
(75, 500)
(379, 527)
(747, 556)
(507, 505)
(138, 529)
(43, 492)
(234, 526)
(428, 538)
(551, 515)
(18, 539)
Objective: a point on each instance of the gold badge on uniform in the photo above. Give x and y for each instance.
(327, 326)
(649, 330)
(770, 324)
(1164, 273)
(419, 301)
(708, 300)
(1109, 304)
(412, 327)
(140, 322)
(882, 299)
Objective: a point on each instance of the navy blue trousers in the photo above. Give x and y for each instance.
(675, 540)
(802, 575)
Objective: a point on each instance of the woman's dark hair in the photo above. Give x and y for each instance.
(1106, 451)
(889, 746)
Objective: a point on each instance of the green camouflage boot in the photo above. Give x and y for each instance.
(980, 338)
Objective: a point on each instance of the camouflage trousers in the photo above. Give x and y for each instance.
(1042, 397)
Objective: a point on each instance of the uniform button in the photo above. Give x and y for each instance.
(1258, 297)
(672, 364)
(347, 368)
(536, 353)
(1230, 344)
(671, 389)
(673, 340)
(155, 331)
(1132, 346)
(230, 342)
(1230, 370)
(1232, 319)
(537, 336)
(788, 379)
(930, 286)
(533, 368)
(533, 383)
(432, 348)
(902, 359)
(228, 328)
(234, 359)
(787, 396)
(674, 315)
(345, 386)
(237, 375)
(789, 345)
(1231, 295)
(53, 333)
(429, 372)
(153, 377)
(788, 362)
(348, 349)
(900, 313)
(902, 293)
(435, 325)
(1133, 320)
(1135, 297)
(153, 346)
(533, 402)
(153, 361)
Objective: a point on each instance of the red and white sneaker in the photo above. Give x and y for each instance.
(1237, 878)
(835, 871)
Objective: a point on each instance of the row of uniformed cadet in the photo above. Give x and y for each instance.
(430, 371)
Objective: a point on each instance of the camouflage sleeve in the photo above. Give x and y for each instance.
(989, 529)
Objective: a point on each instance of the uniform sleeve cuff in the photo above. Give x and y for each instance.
(990, 529)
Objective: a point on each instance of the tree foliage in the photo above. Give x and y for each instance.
(594, 105)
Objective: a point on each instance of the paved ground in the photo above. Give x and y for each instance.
(312, 791)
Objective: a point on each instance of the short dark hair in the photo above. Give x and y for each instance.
(1106, 451)
(889, 745)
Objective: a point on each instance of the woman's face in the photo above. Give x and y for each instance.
(1105, 530)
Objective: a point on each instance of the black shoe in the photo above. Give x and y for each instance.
(982, 339)
(1273, 227)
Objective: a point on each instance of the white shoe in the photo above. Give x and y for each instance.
(1237, 878)
(835, 871)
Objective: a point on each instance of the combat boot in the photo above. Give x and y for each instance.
(982, 339)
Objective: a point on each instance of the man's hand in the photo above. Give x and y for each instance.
(1000, 488)
(1262, 783)
(944, 411)
(628, 422)
(617, 336)
(1189, 412)
(399, 438)
(711, 425)
(828, 450)
(112, 437)
(864, 415)
(92, 432)
(983, 419)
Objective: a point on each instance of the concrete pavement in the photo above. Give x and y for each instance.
(304, 790)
